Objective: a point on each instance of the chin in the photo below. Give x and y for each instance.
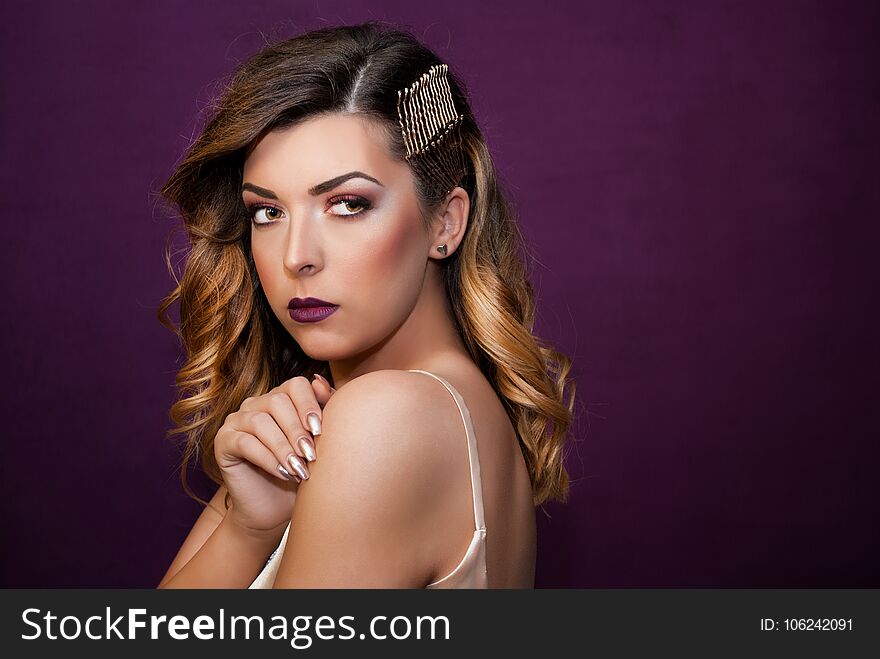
(334, 347)
(324, 348)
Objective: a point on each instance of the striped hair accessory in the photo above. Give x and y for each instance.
(429, 123)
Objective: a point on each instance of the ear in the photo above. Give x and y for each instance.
(451, 222)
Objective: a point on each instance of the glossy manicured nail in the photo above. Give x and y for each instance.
(285, 473)
(294, 460)
(325, 381)
(306, 445)
(314, 423)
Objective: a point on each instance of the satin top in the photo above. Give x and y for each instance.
(471, 570)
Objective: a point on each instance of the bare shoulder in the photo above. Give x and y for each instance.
(379, 449)
(405, 427)
(362, 517)
(389, 411)
(385, 383)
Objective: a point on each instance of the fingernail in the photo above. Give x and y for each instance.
(314, 423)
(318, 375)
(298, 466)
(306, 445)
(285, 473)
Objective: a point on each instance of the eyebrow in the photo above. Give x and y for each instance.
(321, 188)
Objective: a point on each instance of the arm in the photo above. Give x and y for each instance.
(230, 558)
(210, 518)
(367, 516)
(217, 553)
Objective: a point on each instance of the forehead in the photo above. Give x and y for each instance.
(319, 149)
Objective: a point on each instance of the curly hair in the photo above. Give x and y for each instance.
(236, 347)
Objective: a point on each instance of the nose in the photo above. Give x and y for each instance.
(301, 253)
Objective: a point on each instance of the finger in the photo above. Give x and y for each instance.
(247, 446)
(262, 425)
(307, 407)
(278, 403)
(247, 404)
(322, 390)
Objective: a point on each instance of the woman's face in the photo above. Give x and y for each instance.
(334, 217)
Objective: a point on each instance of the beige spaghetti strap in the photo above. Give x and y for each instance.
(473, 458)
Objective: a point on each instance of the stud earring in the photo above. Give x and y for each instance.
(442, 249)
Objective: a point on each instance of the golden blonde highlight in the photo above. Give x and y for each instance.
(494, 303)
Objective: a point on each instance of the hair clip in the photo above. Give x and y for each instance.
(428, 123)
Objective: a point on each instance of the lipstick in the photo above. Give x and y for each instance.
(310, 309)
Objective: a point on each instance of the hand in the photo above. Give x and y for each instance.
(262, 451)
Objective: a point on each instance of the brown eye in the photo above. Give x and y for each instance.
(271, 214)
(349, 205)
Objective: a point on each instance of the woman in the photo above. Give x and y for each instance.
(356, 277)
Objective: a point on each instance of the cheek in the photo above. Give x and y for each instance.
(388, 264)
(266, 264)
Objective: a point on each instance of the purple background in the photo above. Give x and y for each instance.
(698, 181)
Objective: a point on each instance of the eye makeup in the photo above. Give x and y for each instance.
(345, 202)
(348, 200)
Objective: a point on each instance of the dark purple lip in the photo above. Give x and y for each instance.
(301, 302)
(311, 314)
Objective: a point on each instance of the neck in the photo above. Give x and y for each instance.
(428, 336)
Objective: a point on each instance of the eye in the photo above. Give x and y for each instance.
(349, 204)
(269, 212)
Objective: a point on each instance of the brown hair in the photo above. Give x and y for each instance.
(236, 347)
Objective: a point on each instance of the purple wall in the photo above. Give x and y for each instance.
(699, 184)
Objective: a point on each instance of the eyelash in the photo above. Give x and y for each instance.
(352, 199)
